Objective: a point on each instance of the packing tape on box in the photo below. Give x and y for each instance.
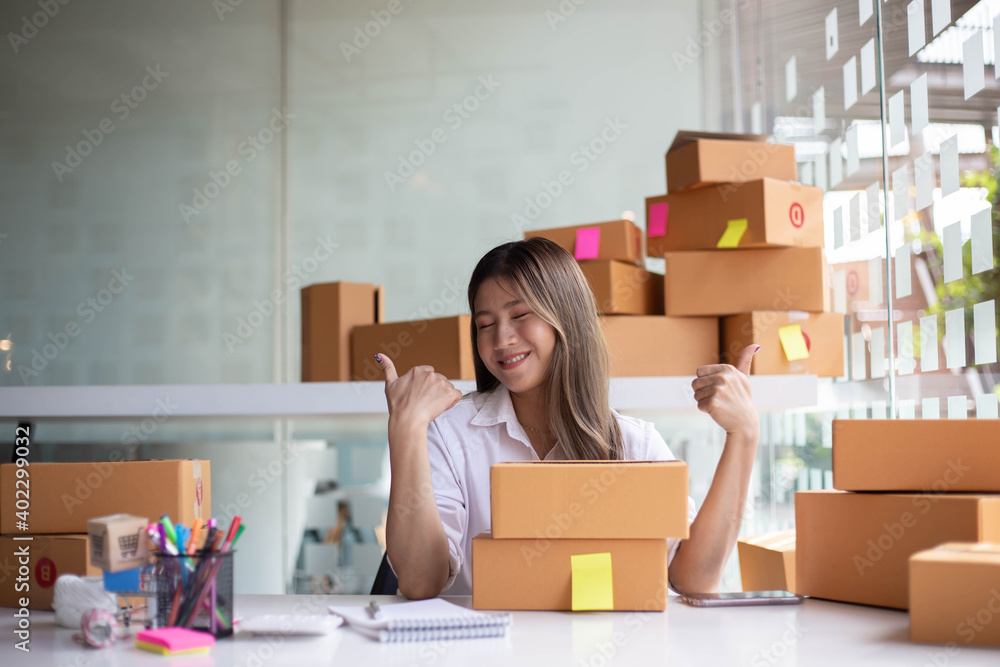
(75, 595)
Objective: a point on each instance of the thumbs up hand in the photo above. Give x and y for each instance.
(723, 392)
(419, 396)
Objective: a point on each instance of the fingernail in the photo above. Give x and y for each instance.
(757, 350)
(378, 357)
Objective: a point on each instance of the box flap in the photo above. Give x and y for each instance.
(685, 137)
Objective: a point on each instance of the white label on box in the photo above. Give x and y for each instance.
(850, 82)
(949, 166)
(791, 79)
(901, 192)
(923, 176)
(897, 119)
(930, 408)
(840, 292)
(819, 109)
(957, 407)
(952, 247)
(986, 406)
(954, 338)
(878, 352)
(864, 11)
(907, 408)
(868, 67)
(904, 335)
(874, 217)
(858, 362)
(902, 268)
(838, 227)
(928, 343)
(855, 216)
(982, 241)
(875, 280)
(973, 65)
(940, 15)
(919, 114)
(832, 41)
(836, 163)
(984, 329)
(916, 30)
(853, 159)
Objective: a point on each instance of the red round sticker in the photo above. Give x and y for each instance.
(45, 572)
(808, 342)
(797, 215)
(852, 282)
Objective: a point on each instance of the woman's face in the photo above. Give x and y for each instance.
(514, 343)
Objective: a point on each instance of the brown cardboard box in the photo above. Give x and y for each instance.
(767, 561)
(620, 239)
(624, 289)
(855, 284)
(777, 214)
(711, 282)
(704, 158)
(329, 312)
(536, 574)
(823, 333)
(916, 455)
(48, 557)
(444, 343)
(657, 345)
(955, 595)
(118, 542)
(589, 499)
(855, 547)
(65, 496)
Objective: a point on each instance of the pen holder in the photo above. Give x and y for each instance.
(195, 592)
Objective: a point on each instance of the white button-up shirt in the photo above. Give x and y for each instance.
(480, 430)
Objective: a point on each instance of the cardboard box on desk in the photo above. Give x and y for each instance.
(537, 574)
(65, 496)
(855, 547)
(955, 595)
(947, 455)
(783, 336)
(329, 312)
(715, 282)
(657, 345)
(48, 557)
(589, 499)
(443, 343)
(621, 288)
(767, 561)
(698, 159)
(757, 214)
(615, 239)
(118, 542)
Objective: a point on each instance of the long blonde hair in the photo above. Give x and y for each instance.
(547, 278)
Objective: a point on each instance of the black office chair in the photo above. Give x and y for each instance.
(385, 580)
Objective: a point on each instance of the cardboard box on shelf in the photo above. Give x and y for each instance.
(621, 288)
(118, 542)
(711, 282)
(65, 496)
(819, 335)
(955, 594)
(947, 455)
(657, 345)
(855, 547)
(537, 574)
(589, 499)
(767, 561)
(444, 343)
(698, 159)
(757, 214)
(48, 557)
(329, 312)
(615, 239)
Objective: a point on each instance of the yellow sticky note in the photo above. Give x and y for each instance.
(592, 582)
(793, 342)
(734, 232)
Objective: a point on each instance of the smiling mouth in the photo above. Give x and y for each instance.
(514, 360)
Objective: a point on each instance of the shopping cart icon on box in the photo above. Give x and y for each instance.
(129, 544)
(97, 546)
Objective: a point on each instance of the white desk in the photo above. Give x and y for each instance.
(814, 634)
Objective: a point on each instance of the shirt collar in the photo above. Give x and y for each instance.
(498, 409)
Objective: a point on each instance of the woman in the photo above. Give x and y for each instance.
(542, 378)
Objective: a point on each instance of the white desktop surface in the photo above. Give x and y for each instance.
(815, 633)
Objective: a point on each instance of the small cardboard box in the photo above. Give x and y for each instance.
(444, 343)
(711, 282)
(589, 499)
(776, 214)
(947, 455)
(65, 496)
(955, 595)
(329, 312)
(657, 345)
(48, 557)
(767, 561)
(537, 574)
(823, 334)
(855, 547)
(697, 159)
(118, 542)
(624, 289)
(616, 239)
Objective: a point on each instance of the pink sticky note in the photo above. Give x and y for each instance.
(657, 223)
(588, 243)
(176, 639)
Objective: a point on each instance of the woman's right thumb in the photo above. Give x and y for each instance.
(388, 368)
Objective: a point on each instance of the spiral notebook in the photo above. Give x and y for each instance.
(424, 620)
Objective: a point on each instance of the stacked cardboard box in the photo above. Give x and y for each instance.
(329, 312)
(743, 241)
(566, 536)
(902, 486)
(767, 561)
